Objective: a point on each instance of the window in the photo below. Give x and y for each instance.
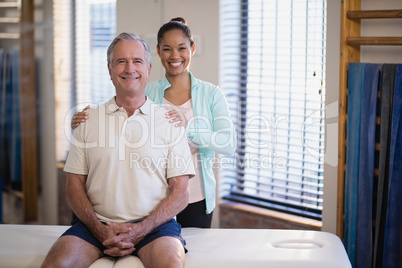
(273, 73)
(95, 27)
(83, 31)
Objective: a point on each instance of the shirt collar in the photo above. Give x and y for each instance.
(146, 107)
(112, 107)
(194, 81)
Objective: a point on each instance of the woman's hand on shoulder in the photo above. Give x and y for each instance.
(79, 117)
(176, 118)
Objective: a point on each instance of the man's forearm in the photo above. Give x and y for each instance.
(173, 204)
(80, 204)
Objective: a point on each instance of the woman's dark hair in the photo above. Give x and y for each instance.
(177, 23)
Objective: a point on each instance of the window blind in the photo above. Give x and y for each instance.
(83, 31)
(95, 26)
(272, 70)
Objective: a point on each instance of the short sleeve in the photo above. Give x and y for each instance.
(77, 160)
(180, 161)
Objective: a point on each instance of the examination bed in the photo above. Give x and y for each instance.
(27, 245)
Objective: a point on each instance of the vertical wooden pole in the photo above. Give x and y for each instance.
(347, 54)
(28, 113)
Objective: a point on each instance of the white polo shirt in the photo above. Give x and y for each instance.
(128, 160)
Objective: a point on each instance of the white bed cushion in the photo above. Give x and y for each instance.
(27, 245)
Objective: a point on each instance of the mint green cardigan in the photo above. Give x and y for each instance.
(212, 129)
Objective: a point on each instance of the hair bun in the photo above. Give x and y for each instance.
(179, 19)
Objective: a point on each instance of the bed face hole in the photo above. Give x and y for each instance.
(297, 245)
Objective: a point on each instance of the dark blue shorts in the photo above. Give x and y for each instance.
(171, 228)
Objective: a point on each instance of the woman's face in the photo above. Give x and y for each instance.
(175, 52)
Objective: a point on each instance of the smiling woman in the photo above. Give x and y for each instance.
(203, 112)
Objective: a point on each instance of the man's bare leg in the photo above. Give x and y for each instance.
(71, 251)
(165, 251)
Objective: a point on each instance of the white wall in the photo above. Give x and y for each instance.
(145, 17)
(142, 17)
(331, 112)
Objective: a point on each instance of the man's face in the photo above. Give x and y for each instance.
(129, 70)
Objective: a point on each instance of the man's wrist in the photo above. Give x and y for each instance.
(98, 231)
(142, 229)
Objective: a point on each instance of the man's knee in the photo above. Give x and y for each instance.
(55, 261)
(71, 251)
(163, 252)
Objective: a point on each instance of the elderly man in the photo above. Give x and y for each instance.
(128, 173)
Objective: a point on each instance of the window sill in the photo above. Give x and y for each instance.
(238, 215)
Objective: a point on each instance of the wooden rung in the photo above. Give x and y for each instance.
(375, 14)
(377, 146)
(9, 19)
(9, 4)
(9, 35)
(374, 41)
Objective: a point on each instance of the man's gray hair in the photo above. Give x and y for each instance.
(128, 36)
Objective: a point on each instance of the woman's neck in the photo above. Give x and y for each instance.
(180, 81)
(180, 89)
